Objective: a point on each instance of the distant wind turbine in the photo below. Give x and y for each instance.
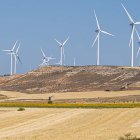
(45, 59)
(131, 43)
(62, 55)
(98, 31)
(11, 52)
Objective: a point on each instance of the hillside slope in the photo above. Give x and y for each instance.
(73, 79)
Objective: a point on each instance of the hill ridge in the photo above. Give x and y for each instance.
(73, 79)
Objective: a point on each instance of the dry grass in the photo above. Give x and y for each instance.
(69, 95)
(68, 124)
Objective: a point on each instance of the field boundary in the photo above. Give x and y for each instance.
(66, 105)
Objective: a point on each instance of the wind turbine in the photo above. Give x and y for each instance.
(131, 43)
(11, 54)
(62, 55)
(16, 57)
(98, 31)
(45, 59)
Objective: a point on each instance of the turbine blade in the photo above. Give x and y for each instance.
(18, 59)
(107, 33)
(43, 53)
(95, 40)
(130, 18)
(17, 49)
(65, 41)
(138, 52)
(14, 45)
(51, 58)
(97, 20)
(137, 34)
(58, 42)
(137, 23)
(7, 50)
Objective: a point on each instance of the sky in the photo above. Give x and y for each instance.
(36, 23)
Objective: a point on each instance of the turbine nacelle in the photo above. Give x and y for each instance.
(131, 24)
(97, 31)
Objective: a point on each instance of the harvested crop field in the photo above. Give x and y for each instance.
(68, 124)
(76, 97)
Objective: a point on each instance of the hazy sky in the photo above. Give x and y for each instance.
(35, 23)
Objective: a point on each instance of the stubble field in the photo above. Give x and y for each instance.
(68, 124)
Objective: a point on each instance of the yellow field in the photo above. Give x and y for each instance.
(68, 124)
(68, 95)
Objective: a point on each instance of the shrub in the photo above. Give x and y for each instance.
(50, 102)
(21, 109)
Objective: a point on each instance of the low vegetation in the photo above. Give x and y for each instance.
(21, 109)
(66, 105)
(129, 136)
(2, 97)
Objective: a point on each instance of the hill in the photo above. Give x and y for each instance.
(54, 79)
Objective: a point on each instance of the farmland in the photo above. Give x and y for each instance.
(68, 124)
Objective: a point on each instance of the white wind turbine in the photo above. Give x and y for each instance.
(17, 58)
(11, 54)
(45, 59)
(131, 43)
(98, 31)
(62, 55)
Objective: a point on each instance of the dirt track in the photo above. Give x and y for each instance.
(68, 124)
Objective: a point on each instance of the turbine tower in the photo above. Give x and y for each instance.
(98, 31)
(131, 43)
(62, 54)
(17, 58)
(138, 52)
(11, 52)
(45, 59)
(74, 63)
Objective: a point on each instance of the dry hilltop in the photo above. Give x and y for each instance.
(54, 79)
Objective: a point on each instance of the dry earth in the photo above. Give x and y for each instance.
(68, 124)
(54, 79)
